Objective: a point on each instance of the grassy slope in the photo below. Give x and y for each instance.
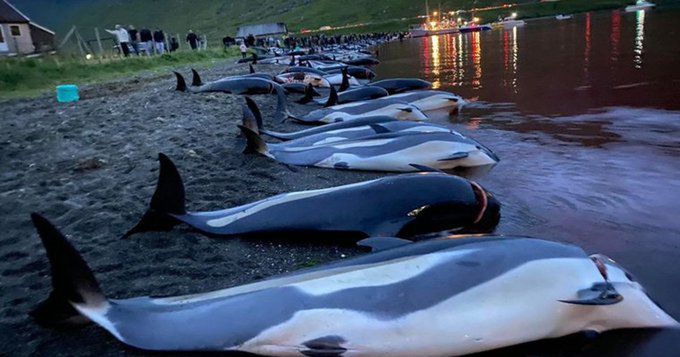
(28, 77)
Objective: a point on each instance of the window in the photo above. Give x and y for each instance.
(15, 30)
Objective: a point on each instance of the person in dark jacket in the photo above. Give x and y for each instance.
(192, 39)
(134, 39)
(174, 45)
(146, 41)
(159, 41)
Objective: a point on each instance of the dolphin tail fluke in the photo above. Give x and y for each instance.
(254, 143)
(252, 108)
(167, 200)
(181, 83)
(72, 280)
(345, 80)
(309, 95)
(196, 80)
(332, 98)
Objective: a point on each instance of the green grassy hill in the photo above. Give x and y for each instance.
(220, 18)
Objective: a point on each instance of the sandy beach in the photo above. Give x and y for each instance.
(91, 167)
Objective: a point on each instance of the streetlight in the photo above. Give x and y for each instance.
(514, 15)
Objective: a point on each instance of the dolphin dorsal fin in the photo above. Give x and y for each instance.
(252, 70)
(379, 129)
(332, 98)
(377, 244)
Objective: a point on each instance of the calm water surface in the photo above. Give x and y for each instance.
(585, 115)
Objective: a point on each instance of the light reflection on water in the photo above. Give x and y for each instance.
(639, 38)
(585, 116)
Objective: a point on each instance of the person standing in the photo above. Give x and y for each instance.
(145, 40)
(192, 39)
(134, 39)
(123, 39)
(159, 41)
(243, 48)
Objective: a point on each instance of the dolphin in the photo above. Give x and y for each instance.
(196, 80)
(353, 129)
(355, 71)
(350, 111)
(301, 88)
(352, 95)
(304, 78)
(400, 85)
(235, 85)
(427, 100)
(426, 202)
(389, 152)
(366, 61)
(304, 69)
(441, 297)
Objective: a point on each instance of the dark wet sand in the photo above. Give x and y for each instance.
(91, 168)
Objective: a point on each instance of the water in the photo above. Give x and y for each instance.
(585, 115)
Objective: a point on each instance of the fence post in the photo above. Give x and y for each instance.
(99, 42)
(179, 42)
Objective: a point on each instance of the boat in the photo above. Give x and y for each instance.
(474, 28)
(563, 17)
(510, 22)
(424, 30)
(640, 5)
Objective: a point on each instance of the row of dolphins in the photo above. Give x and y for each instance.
(412, 296)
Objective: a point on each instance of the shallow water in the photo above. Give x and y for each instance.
(585, 115)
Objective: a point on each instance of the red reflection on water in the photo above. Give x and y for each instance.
(615, 36)
(476, 54)
(586, 54)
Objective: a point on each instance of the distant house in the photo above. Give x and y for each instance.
(19, 35)
(273, 29)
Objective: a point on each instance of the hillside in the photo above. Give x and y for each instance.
(219, 18)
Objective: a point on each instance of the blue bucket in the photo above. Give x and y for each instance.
(67, 93)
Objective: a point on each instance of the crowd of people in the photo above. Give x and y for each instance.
(145, 42)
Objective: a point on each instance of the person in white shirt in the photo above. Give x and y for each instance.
(123, 39)
(243, 48)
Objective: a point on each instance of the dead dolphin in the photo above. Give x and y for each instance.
(350, 111)
(236, 85)
(389, 152)
(196, 80)
(356, 94)
(354, 129)
(457, 295)
(400, 85)
(426, 202)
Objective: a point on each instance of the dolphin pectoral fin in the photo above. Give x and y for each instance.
(456, 156)
(377, 244)
(168, 199)
(379, 129)
(327, 346)
(424, 168)
(598, 294)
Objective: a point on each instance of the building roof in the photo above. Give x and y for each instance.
(261, 30)
(9, 13)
